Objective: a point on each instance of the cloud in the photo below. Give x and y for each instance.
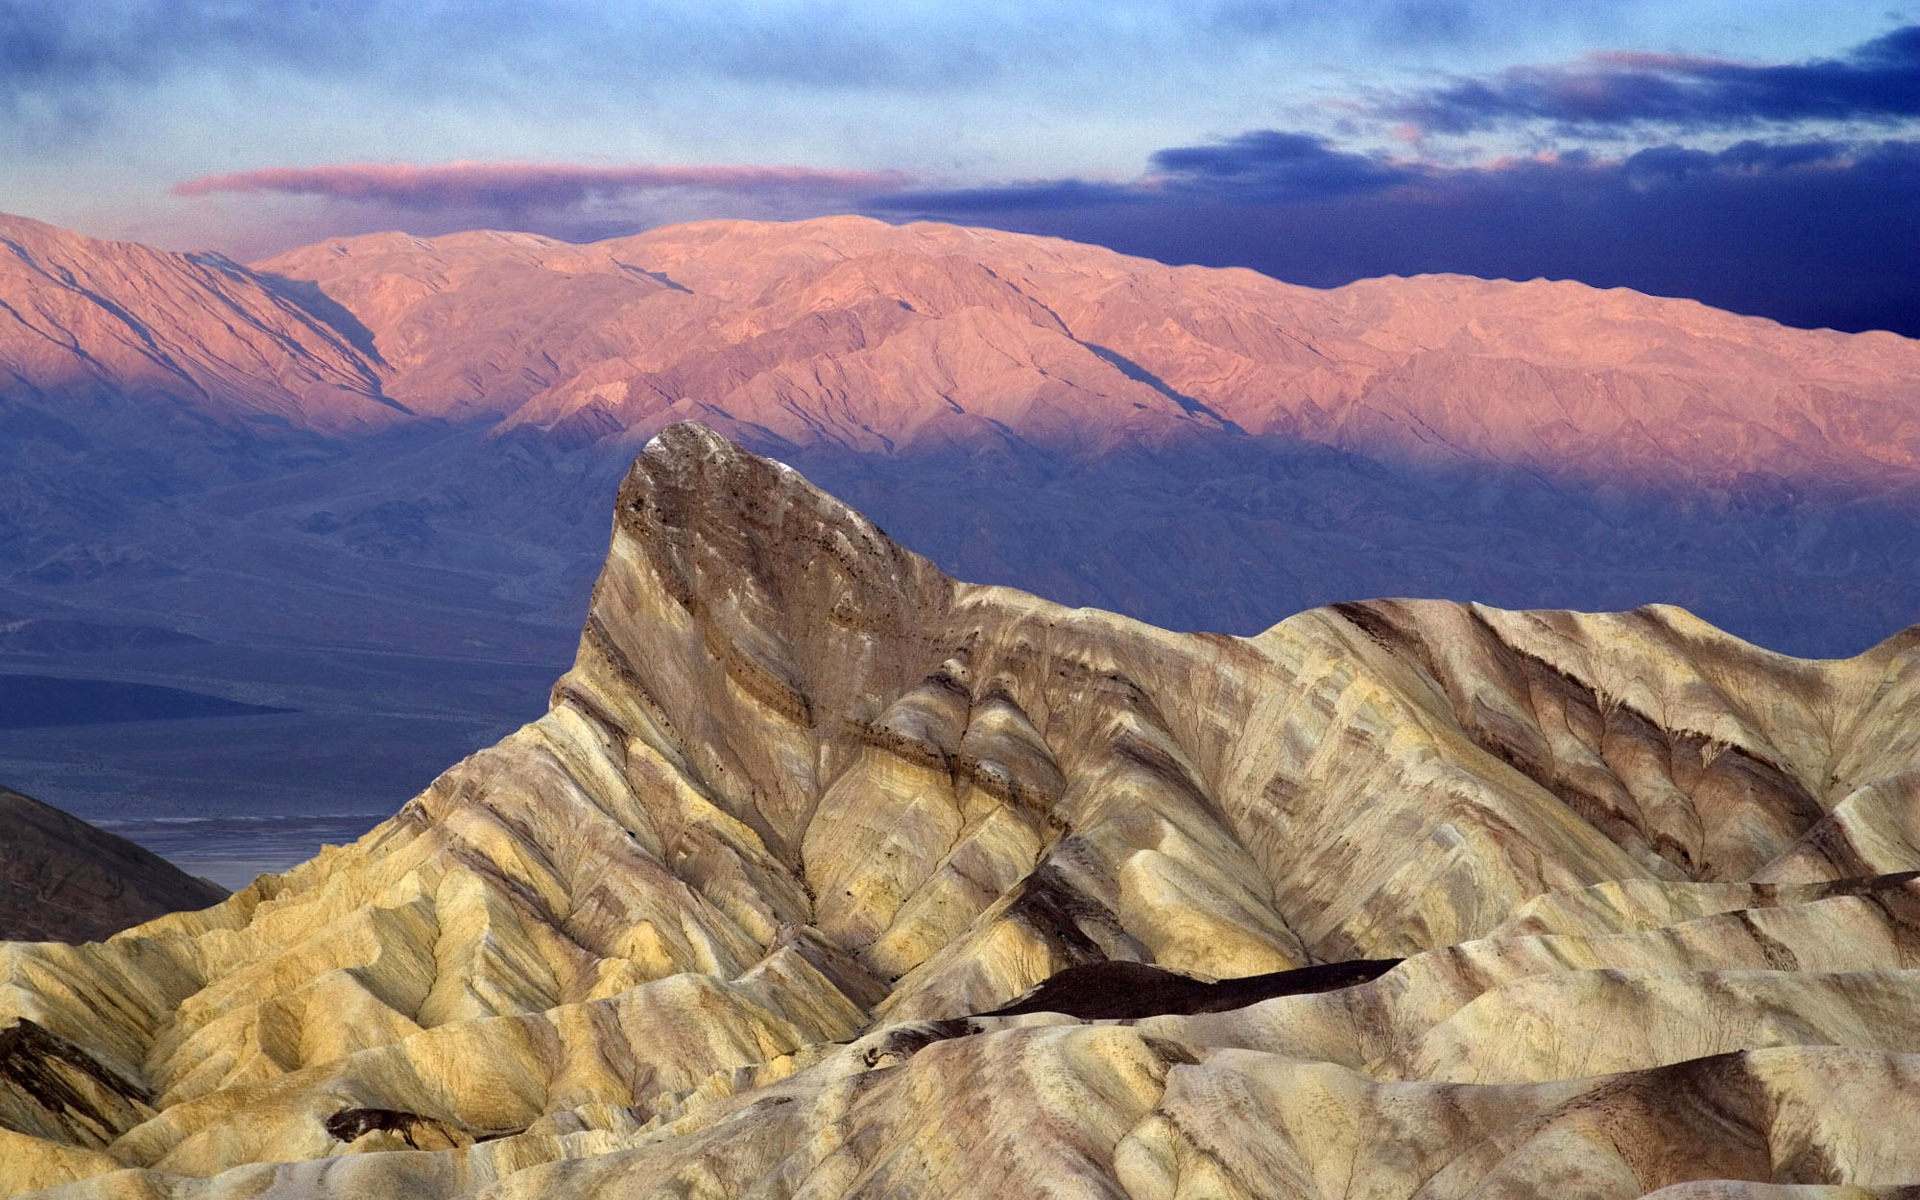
(1267, 165)
(257, 213)
(1810, 229)
(1876, 82)
(1263, 166)
(72, 72)
(531, 186)
(1810, 232)
(377, 78)
(64, 64)
(844, 44)
(1278, 166)
(428, 45)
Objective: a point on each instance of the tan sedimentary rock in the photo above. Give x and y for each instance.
(732, 918)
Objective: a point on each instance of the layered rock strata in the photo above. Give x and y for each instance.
(753, 909)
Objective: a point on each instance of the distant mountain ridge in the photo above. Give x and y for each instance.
(890, 337)
(399, 446)
(124, 324)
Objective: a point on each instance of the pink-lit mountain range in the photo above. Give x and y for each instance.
(398, 445)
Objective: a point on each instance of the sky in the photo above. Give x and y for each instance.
(1760, 155)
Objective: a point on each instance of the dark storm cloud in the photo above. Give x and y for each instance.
(1878, 81)
(1267, 166)
(1264, 166)
(1273, 165)
(1811, 233)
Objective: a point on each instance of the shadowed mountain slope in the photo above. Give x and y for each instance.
(63, 880)
(729, 920)
(382, 462)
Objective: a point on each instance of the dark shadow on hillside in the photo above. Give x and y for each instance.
(1139, 374)
(1131, 991)
(308, 296)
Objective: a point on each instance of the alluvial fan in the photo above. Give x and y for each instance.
(829, 876)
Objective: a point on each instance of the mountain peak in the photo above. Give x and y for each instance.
(728, 531)
(723, 557)
(116, 333)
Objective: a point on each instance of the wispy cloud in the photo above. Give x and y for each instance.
(1876, 82)
(256, 213)
(425, 47)
(532, 186)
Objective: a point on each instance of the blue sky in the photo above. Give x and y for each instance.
(1764, 156)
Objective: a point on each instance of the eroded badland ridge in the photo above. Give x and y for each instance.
(729, 920)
